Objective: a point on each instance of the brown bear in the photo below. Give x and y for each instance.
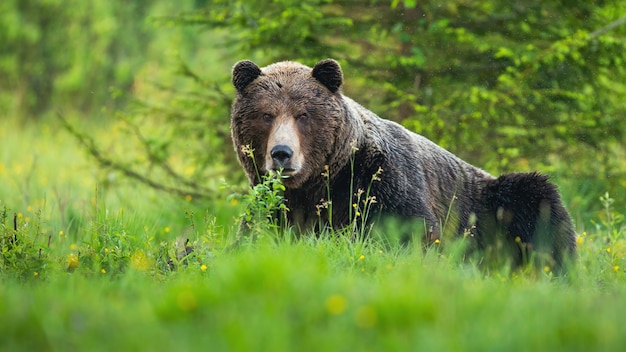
(331, 150)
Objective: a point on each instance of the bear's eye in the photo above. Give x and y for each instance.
(302, 117)
(268, 117)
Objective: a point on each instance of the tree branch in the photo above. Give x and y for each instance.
(90, 146)
(607, 28)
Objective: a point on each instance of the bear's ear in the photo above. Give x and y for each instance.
(328, 72)
(244, 72)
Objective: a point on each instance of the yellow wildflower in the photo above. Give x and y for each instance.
(336, 304)
(140, 261)
(72, 261)
(203, 267)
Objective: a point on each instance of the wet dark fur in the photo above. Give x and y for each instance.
(518, 214)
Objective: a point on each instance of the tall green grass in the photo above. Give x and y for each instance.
(97, 263)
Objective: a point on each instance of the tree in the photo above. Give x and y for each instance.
(66, 54)
(497, 83)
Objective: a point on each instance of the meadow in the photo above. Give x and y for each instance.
(93, 262)
(91, 259)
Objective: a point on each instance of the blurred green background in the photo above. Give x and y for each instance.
(144, 86)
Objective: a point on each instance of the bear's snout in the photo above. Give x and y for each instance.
(281, 155)
(283, 150)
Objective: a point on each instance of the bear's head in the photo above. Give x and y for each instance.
(291, 117)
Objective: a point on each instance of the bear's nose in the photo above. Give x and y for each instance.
(281, 155)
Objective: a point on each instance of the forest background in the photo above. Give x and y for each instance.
(115, 142)
(538, 86)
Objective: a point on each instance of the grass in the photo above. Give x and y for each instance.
(88, 269)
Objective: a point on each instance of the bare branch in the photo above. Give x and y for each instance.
(90, 146)
(607, 28)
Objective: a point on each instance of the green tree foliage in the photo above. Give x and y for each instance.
(498, 83)
(529, 78)
(66, 54)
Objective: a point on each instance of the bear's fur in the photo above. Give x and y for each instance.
(295, 118)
